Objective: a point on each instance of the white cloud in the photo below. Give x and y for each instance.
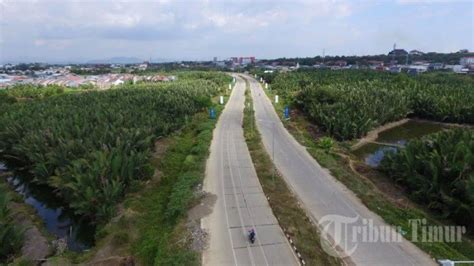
(409, 2)
(121, 20)
(206, 28)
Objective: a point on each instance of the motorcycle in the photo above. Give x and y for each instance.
(252, 236)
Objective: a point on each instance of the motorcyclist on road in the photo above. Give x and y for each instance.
(252, 235)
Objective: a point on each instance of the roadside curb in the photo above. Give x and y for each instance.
(293, 246)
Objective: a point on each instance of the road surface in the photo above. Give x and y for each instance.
(321, 195)
(241, 203)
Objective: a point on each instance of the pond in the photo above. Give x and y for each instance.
(57, 219)
(373, 153)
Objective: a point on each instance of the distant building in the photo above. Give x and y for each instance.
(416, 52)
(467, 61)
(395, 69)
(143, 66)
(398, 52)
(340, 63)
(220, 63)
(414, 69)
(420, 63)
(375, 63)
(243, 60)
(463, 51)
(457, 69)
(436, 66)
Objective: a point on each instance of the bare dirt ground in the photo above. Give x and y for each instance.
(36, 246)
(373, 134)
(199, 241)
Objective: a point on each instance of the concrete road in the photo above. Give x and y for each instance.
(241, 203)
(322, 195)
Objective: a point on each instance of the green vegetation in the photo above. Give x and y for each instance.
(283, 202)
(29, 91)
(92, 147)
(350, 111)
(337, 160)
(11, 235)
(438, 172)
(152, 225)
(347, 104)
(213, 76)
(446, 58)
(163, 238)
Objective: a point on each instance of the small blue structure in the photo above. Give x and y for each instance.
(287, 112)
(212, 113)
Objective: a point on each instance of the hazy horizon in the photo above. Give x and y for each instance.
(77, 31)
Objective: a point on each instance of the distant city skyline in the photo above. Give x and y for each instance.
(55, 31)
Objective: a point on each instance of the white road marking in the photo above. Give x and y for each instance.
(225, 204)
(247, 207)
(237, 200)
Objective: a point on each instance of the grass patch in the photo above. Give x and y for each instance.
(368, 193)
(282, 201)
(11, 234)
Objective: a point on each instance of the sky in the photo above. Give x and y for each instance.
(78, 31)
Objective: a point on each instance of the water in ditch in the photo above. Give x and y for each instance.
(58, 220)
(373, 153)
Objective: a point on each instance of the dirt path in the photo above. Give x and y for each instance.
(373, 134)
(36, 246)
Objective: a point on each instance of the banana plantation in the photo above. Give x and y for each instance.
(90, 147)
(348, 104)
(438, 172)
(32, 91)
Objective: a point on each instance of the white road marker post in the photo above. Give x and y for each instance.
(230, 86)
(266, 85)
(221, 100)
(273, 152)
(276, 99)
